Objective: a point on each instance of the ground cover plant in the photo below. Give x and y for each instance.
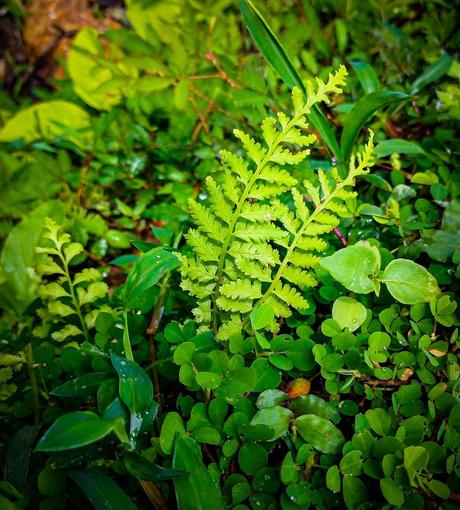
(230, 252)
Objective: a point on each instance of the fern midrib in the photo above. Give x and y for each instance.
(241, 202)
(319, 209)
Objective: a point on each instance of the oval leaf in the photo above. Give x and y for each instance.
(409, 283)
(321, 433)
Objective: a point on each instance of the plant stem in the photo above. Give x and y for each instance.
(126, 339)
(33, 382)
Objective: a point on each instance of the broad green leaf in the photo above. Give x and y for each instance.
(432, 73)
(49, 120)
(135, 386)
(354, 491)
(354, 266)
(362, 112)
(145, 273)
(252, 457)
(90, 71)
(262, 316)
(392, 491)
(142, 469)
(379, 420)
(198, 491)
(101, 490)
(397, 146)
(352, 463)
(74, 430)
(81, 385)
(236, 383)
(271, 49)
(311, 404)
(349, 313)
(366, 76)
(409, 282)
(415, 459)
(277, 418)
(321, 433)
(439, 488)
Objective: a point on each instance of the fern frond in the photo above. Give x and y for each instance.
(198, 290)
(278, 306)
(327, 218)
(258, 232)
(233, 305)
(255, 151)
(206, 221)
(267, 191)
(269, 130)
(286, 217)
(311, 243)
(325, 186)
(262, 252)
(202, 312)
(317, 229)
(284, 156)
(301, 259)
(258, 213)
(231, 188)
(230, 327)
(290, 296)
(203, 248)
(253, 269)
(195, 270)
(221, 207)
(313, 191)
(242, 289)
(301, 209)
(274, 174)
(236, 165)
(299, 277)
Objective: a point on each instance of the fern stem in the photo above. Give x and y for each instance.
(260, 167)
(320, 208)
(74, 297)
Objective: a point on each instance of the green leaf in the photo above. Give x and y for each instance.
(145, 273)
(321, 433)
(103, 492)
(262, 316)
(333, 479)
(352, 463)
(142, 469)
(362, 112)
(236, 383)
(271, 49)
(409, 282)
(354, 266)
(379, 420)
(252, 457)
(415, 459)
(74, 430)
(135, 386)
(198, 491)
(354, 491)
(366, 76)
(171, 427)
(440, 489)
(81, 385)
(392, 491)
(48, 120)
(277, 418)
(397, 146)
(18, 279)
(349, 313)
(432, 73)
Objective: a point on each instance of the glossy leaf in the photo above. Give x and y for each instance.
(135, 386)
(349, 313)
(397, 146)
(74, 430)
(409, 282)
(362, 112)
(142, 469)
(271, 49)
(321, 433)
(101, 490)
(81, 385)
(366, 76)
(145, 273)
(432, 73)
(198, 491)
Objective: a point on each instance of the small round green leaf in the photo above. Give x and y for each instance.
(349, 313)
